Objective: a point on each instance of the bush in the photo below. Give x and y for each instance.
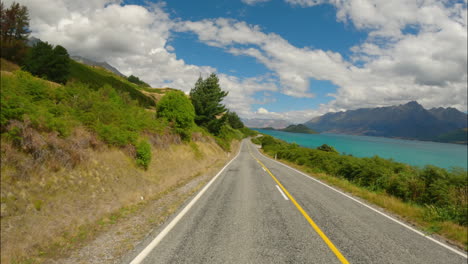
(226, 135)
(327, 148)
(177, 109)
(143, 154)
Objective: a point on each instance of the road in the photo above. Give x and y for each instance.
(259, 211)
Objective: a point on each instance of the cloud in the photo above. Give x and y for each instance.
(293, 66)
(391, 66)
(262, 110)
(135, 40)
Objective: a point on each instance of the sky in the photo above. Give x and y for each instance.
(278, 59)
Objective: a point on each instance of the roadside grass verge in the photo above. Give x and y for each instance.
(425, 217)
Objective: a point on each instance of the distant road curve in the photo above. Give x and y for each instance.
(257, 210)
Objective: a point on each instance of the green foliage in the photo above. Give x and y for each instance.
(177, 109)
(47, 62)
(137, 81)
(206, 98)
(226, 135)
(327, 148)
(248, 132)
(116, 118)
(442, 191)
(233, 120)
(143, 154)
(14, 25)
(97, 78)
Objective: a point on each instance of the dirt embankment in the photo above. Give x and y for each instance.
(81, 201)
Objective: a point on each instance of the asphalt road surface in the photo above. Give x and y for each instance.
(259, 211)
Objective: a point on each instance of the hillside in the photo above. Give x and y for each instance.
(96, 77)
(102, 64)
(300, 128)
(409, 121)
(78, 157)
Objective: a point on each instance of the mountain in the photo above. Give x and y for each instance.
(102, 64)
(259, 123)
(409, 121)
(32, 41)
(293, 129)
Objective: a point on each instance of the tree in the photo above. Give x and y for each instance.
(206, 98)
(47, 62)
(234, 120)
(60, 65)
(177, 109)
(14, 31)
(137, 81)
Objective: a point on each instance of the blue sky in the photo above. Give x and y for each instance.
(315, 28)
(278, 59)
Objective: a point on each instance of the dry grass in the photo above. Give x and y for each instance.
(414, 214)
(8, 66)
(49, 208)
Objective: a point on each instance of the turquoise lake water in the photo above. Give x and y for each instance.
(413, 152)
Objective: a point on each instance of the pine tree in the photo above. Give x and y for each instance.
(233, 120)
(206, 98)
(59, 65)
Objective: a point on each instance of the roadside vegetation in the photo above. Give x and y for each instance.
(433, 197)
(80, 143)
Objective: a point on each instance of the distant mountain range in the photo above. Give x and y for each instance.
(408, 121)
(259, 123)
(102, 64)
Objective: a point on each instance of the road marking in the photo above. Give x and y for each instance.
(371, 208)
(143, 254)
(264, 169)
(322, 235)
(282, 193)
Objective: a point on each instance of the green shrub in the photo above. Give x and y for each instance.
(143, 154)
(327, 148)
(177, 109)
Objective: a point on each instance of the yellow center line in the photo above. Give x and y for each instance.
(304, 213)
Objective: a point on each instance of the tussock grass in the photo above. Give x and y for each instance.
(8, 66)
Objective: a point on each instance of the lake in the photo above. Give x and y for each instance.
(413, 152)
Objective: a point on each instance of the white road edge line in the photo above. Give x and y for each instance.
(373, 209)
(145, 252)
(263, 169)
(282, 193)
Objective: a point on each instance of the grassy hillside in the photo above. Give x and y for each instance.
(75, 155)
(96, 77)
